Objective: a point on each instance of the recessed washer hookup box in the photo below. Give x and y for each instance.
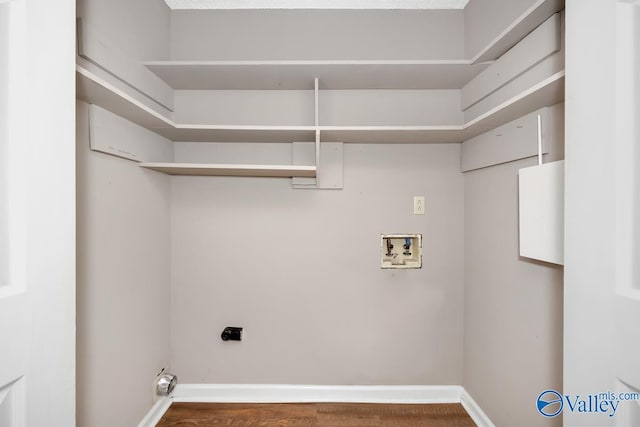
(401, 251)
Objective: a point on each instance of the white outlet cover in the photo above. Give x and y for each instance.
(418, 205)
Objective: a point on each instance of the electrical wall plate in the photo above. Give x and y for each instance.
(401, 251)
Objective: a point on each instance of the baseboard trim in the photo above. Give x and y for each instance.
(473, 409)
(283, 393)
(291, 393)
(157, 411)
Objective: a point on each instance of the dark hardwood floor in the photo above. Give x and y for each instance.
(315, 414)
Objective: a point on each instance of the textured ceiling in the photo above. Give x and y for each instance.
(316, 4)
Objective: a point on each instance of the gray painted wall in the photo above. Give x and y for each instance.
(485, 19)
(123, 256)
(117, 35)
(140, 28)
(590, 204)
(390, 107)
(336, 107)
(512, 306)
(300, 271)
(123, 239)
(316, 34)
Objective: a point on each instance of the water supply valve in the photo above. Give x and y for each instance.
(401, 251)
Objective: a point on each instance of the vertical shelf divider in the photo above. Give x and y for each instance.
(317, 121)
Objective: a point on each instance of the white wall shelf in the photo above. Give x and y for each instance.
(95, 90)
(523, 25)
(545, 93)
(410, 74)
(201, 169)
(240, 133)
(299, 75)
(392, 134)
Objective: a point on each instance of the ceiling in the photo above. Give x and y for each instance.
(316, 4)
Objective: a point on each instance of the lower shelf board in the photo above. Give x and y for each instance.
(207, 169)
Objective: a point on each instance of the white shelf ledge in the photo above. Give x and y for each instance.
(547, 92)
(240, 133)
(201, 169)
(392, 134)
(523, 25)
(94, 90)
(299, 75)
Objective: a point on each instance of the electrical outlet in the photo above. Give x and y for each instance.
(231, 333)
(418, 205)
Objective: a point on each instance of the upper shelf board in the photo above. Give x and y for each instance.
(94, 90)
(539, 12)
(239, 133)
(300, 75)
(392, 134)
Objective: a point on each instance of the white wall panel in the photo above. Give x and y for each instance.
(590, 203)
(513, 141)
(541, 209)
(516, 140)
(111, 134)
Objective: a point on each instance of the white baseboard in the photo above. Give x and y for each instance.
(157, 411)
(282, 393)
(473, 409)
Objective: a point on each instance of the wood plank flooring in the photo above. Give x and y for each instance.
(316, 415)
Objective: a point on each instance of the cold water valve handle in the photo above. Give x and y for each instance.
(407, 246)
